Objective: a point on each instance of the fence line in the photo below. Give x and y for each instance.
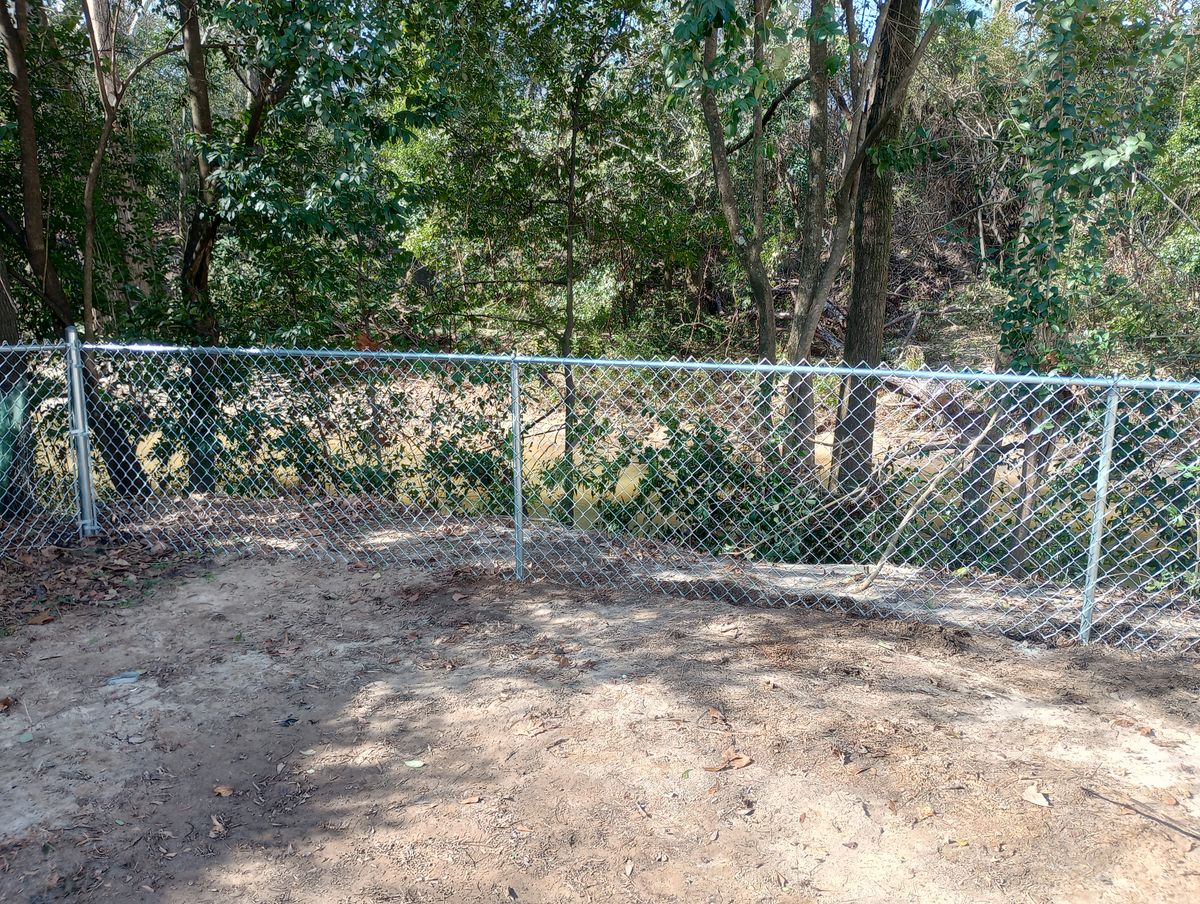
(683, 364)
(1045, 507)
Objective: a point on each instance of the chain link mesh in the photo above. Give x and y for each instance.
(37, 475)
(960, 501)
(341, 458)
(1040, 510)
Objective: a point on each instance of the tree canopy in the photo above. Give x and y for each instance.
(624, 177)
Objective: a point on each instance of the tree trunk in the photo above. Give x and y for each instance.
(760, 279)
(202, 409)
(800, 435)
(16, 33)
(1036, 450)
(855, 433)
(566, 344)
(90, 323)
(204, 227)
(117, 450)
(102, 36)
(747, 247)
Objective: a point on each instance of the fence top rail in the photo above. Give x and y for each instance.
(31, 348)
(1009, 378)
(655, 364)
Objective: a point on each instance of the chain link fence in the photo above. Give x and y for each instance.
(38, 480)
(1044, 508)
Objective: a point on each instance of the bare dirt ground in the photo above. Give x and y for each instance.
(320, 733)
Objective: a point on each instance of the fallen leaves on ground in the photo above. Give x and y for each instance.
(731, 758)
(90, 573)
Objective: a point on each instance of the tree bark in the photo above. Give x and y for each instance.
(90, 323)
(746, 247)
(102, 35)
(118, 451)
(800, 435)
(10, 324)
(566, 345)
(855, 432)
(202, 409)
(16, 33)
(200, 243)
(819, 230)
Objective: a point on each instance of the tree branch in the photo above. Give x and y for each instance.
(1191, 221)
(885, 115)
(783, 95)
(9, 222)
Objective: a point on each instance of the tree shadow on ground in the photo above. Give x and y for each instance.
(305, 733)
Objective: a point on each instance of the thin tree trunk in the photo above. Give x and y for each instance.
(979, 478)
(566, 345)
(202, 409)
(800, 435)
(1032, 457)
(760, 279)
(747, 247)
(16, 34)
(117, 450)
(90, 323)
(98, 18)
(200, 243)
(101, 28)
(855, 432)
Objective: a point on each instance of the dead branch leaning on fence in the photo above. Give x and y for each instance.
(894, 539)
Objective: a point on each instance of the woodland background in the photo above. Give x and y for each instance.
(1006, 185)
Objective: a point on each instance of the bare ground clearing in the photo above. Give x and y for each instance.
(269, 751)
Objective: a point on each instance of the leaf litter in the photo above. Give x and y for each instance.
(731, 758)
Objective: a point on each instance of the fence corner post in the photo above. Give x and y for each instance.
(517, 456)
(1095, 543)
(81, 442)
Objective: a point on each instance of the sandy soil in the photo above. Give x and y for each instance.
(311, 733)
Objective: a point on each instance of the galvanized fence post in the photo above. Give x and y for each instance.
(517, 456)
(1095, 544)
(81, 442)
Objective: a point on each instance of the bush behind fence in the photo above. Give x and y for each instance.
(1052, 509)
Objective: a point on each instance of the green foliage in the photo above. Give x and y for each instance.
(735, 75)
(1081, 125)
(424, 436)
(408, 183)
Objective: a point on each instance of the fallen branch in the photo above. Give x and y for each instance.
(894, 540)
(1137, 808)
